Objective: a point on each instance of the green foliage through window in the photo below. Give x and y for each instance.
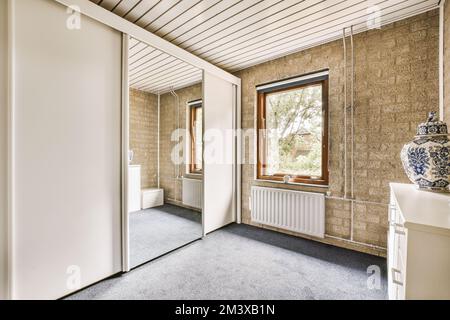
(294, 126)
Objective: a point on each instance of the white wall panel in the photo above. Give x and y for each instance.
(218, 204)
(67, 133)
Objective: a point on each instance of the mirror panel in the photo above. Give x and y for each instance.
(165, 180)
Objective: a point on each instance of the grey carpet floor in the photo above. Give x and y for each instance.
(243, 262)
(155, 231)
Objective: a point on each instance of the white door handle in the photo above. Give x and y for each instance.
(393, 273)
(392, 212)
(399, 229)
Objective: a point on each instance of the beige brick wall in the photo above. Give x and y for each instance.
(447, 62)
(396, 86)
(168, 170)
(144, 135)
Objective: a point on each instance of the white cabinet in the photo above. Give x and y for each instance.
(152, 197)
(134, 188)
(418, 244)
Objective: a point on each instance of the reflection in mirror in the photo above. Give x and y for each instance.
(165, 182)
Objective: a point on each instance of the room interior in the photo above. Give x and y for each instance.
(297, 149)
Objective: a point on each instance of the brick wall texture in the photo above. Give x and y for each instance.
(144, 134)
(447, 62)
(396, 86)
(168, 170)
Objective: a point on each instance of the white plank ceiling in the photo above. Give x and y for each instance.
(156, 72)
(236, 34)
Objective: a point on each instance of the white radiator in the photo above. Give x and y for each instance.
(301, 212)
(193, 193)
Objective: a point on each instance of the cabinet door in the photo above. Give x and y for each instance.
(400, 277)
(67, 141)
(392, 287)
(396, 255)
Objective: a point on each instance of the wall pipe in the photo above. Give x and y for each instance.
(352, 106)
(441, 59)
(352, 155)
(356, 201)
(159, 142)
(177, 166)
(352, 123)
(345, 111)
(373, 246)
(352, 113)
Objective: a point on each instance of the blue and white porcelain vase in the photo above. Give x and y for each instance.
(426, 159)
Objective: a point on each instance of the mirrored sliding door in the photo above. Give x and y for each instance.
(165, 173)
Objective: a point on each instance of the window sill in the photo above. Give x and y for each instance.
(322, 186)
(197, 176)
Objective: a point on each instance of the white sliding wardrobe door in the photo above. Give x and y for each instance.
(67, 141)
(218, 188)
(3, 149)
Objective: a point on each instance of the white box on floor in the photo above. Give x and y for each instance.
(152, 198)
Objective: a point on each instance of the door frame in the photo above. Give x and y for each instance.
(124, 157)
(9, 286)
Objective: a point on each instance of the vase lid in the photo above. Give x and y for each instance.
(432, 127)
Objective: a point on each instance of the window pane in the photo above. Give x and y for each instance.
(198, 126)
(294, 132)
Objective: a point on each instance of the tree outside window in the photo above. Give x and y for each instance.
(293, 133)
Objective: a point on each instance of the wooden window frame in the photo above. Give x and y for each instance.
(193, 168)
(261, 125)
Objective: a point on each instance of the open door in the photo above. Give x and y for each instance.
(219, 145)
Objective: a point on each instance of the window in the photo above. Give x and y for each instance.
(293, 130)
(196, 132)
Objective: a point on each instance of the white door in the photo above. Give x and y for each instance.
(67, 142)
(219, 200)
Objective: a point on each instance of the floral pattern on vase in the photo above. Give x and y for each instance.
(440, 156)
(426, 159)
(418, 160)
